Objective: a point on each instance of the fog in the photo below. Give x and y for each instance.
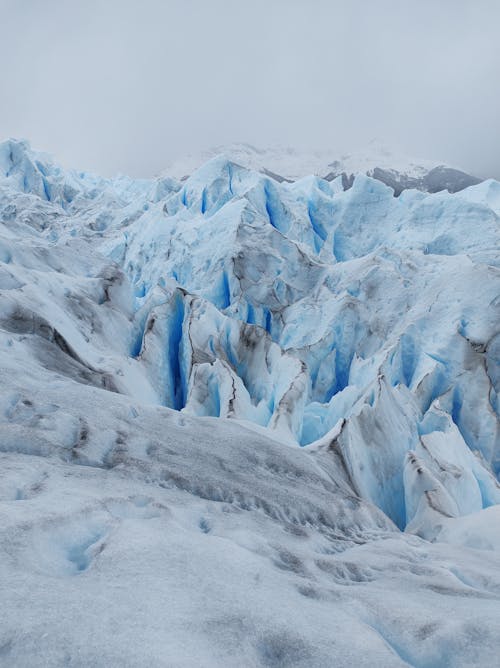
(122, 86)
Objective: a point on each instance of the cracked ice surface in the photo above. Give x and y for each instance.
(362, 326)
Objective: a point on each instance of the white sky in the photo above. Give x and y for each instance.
(121, 85)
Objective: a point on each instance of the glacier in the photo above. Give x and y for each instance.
(245, 421)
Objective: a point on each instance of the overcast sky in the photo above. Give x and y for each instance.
(126, 86)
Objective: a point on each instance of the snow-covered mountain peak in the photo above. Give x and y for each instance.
(284, 163)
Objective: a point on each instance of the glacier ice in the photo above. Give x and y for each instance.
(166, 348)
(290, 305)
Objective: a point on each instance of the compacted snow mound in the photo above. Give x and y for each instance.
(166, 348)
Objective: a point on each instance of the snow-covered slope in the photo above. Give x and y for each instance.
(166, 347)
(287, 164)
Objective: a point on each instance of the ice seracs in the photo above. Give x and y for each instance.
(289, 305)
(166, 348)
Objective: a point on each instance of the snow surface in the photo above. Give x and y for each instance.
(167, 346)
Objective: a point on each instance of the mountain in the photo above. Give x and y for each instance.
(245, 422)
(286, 164)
